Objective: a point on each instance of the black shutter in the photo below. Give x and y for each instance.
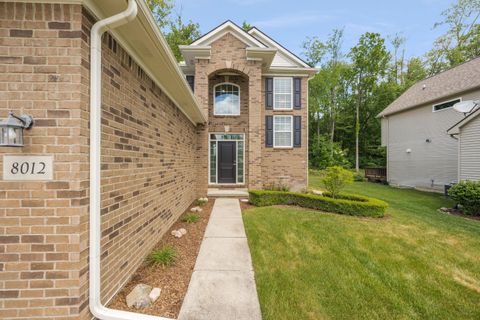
(297, 131)
(269, 131)
(297, 93)
(269, 93)
(191, 82)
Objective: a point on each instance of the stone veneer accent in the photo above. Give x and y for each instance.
(148, 163)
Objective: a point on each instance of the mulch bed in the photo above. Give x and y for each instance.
(172, 280)
(457, 212)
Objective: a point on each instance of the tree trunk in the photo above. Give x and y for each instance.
(357, 131)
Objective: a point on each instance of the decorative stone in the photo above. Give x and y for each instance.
(177, 234)
(183, 231)
(196, 209)
(444, 209)
(173, 232)
(154, 294)
(139, 296)
(317, 192)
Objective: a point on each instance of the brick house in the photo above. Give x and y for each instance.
(255, 93)
(60, 233)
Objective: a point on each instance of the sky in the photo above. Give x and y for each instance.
(291, 22)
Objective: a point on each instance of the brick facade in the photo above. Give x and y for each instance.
(148, 163)
(263, 166)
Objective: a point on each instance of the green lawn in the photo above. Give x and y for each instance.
(415, 264)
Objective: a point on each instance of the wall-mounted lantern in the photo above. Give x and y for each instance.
(11, 130)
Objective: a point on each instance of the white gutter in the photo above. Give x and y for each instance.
(96, 307)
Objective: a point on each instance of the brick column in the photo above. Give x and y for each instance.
(254, 129)
(201, 92)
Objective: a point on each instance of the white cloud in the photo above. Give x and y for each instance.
(226, 105)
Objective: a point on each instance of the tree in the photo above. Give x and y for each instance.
(181, 34)
(175, 30)
(161, 10)
(369, 61)
(461, 41)
(246, 26)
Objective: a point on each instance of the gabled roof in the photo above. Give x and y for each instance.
(462, 78)
(228, 27)
(275, 58)
(283, 52)
(455, 129)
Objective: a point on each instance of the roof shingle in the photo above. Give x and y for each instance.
(462, 78)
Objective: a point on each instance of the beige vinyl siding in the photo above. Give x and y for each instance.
(429, 165)
(470, 150)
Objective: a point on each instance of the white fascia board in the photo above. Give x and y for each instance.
(228, 27)
(150, 51)
(272, 43)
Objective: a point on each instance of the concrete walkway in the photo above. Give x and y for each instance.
(222, 285)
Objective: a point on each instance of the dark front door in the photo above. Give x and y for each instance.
(227, 162)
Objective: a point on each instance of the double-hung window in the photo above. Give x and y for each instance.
(226, 100)
(282, 93)
(282, 131)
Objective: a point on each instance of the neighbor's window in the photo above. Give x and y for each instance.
(226, 100)
(282, 93)
(445, 105)
(282, 131)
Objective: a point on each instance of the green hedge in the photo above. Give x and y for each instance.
(345, 203)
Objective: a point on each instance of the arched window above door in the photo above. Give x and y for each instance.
(226, 99)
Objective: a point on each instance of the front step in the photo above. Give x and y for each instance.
(223, 193)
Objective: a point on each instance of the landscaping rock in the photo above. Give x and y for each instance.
(182, 231)
(317, 192)
(177, 234)
(196, 209)
(139, 297)
(444, 209)
(154, 294)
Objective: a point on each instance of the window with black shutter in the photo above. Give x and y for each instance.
(297, 97)
(269, 93)
(297, 131)
(269, 131)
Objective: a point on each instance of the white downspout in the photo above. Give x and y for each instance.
(96, 307)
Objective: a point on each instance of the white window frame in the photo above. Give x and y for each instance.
(291, 94)
(239, 101)
(436, 104)
(291, 132)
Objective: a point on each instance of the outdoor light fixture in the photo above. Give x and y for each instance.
(11, 130)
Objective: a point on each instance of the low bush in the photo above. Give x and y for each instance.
(335, 179)
(343, 203)
(190, 218)
(164, 256)
(467, 194)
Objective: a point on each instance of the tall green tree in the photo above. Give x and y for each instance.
(176, 31)
(246, 26)
(461, 42)
(369, 64)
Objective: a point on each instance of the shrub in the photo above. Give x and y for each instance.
(335, 179)
(277, 186)
(467, 194)
(201, 201)
(164, 256)
(358, 177)
(344, 203)
(190, 218)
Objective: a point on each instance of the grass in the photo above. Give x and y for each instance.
(190, 218)
(415, 264)
(164, 256)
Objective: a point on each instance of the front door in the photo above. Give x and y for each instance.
(227, 162)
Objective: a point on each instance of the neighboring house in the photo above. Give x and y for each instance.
(161, 146)
(420, 151)
(467, 131)
(255, 93)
